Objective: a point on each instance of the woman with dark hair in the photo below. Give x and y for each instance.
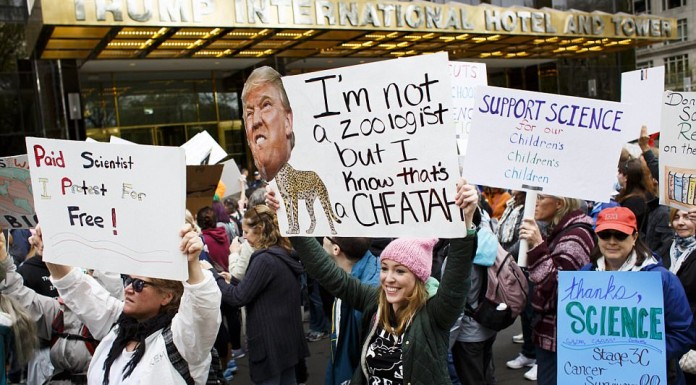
(270, 290)
(405, 335)
(567, 247)
(215, 239)
(637, 188)
(619, 248)
(134, 332)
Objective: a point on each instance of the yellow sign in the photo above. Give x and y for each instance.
(355, 15)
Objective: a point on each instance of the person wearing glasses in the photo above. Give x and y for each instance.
(682, 258)
(405, 331)
(270, 290)
(133, 349)
(71, 347)
(566, 247)
(620, 248)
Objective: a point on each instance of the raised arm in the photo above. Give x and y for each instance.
(41, 308)
(196, 325)
(456, 282)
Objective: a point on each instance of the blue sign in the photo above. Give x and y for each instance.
(611, 328)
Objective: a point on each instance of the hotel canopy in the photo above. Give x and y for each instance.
(153, 29)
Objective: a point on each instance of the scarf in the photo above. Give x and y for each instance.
(629, 264)
(509, 222)
(681, 247)
(129, 329)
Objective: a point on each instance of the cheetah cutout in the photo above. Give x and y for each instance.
(295, 185)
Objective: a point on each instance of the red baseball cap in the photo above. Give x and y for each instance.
(617, 218)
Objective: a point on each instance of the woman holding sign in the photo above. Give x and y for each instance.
(406, 330)
(682, 255)
(162, 333)
(567, 247)
(620, 248)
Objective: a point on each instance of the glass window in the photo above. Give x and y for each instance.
(669, 4)
(641, 6)
(676, 69)
(644, 64)
(682, 32)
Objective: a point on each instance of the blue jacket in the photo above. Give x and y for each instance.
(345, 348)
(679, 326)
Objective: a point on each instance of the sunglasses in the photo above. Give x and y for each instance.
(605, 235)
(137, 284)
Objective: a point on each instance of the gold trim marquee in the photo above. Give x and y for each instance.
(369, 15)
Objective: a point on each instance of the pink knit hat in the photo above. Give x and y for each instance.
(415, 254)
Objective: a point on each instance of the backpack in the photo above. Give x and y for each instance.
(58, 331)
(505, 296)
(215, 373)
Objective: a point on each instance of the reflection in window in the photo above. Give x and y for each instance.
(676, 69)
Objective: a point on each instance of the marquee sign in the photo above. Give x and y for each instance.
(359, 14)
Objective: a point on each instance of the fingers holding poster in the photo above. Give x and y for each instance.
(678, 150)
(363, 162)
(97, 201)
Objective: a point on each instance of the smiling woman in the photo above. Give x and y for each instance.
(408, 332)
(620, 248)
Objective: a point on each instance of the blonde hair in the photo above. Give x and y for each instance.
(264, 223)
(23, 328)
(396, 322)
(188, 217)
(176, 288)
(569, 204)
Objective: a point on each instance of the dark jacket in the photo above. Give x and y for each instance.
(345, 347)
(270, 291)
(36, 276)
(426, 339)
(680, 334)
(565, 250)
(687, 276)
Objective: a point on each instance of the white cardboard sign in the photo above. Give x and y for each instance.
(377, 141)
(465, 77)
(230, 177)
(553, 144)
(678, 150)
(16, 199)
(644, 89)
(116, 208)
(202, 150)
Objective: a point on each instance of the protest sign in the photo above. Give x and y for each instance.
(119, 140)
(202, 149)
(644, 89)
(116, 208)
(611, 328)
(465, 77)
(553, 144)
(678, 150)
(16, 200)
(375, 152)
(231, 176)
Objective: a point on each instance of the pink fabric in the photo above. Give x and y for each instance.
(415, 254)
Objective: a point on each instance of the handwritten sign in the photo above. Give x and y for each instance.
(554, 144)
(202, 149)
(465, 77)
(16, 199)
(375, 152)
(644, 89)
(678, 150)
(611, 328)
(110, 207)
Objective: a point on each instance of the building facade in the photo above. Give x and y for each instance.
(158, 72)
(678, 55)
